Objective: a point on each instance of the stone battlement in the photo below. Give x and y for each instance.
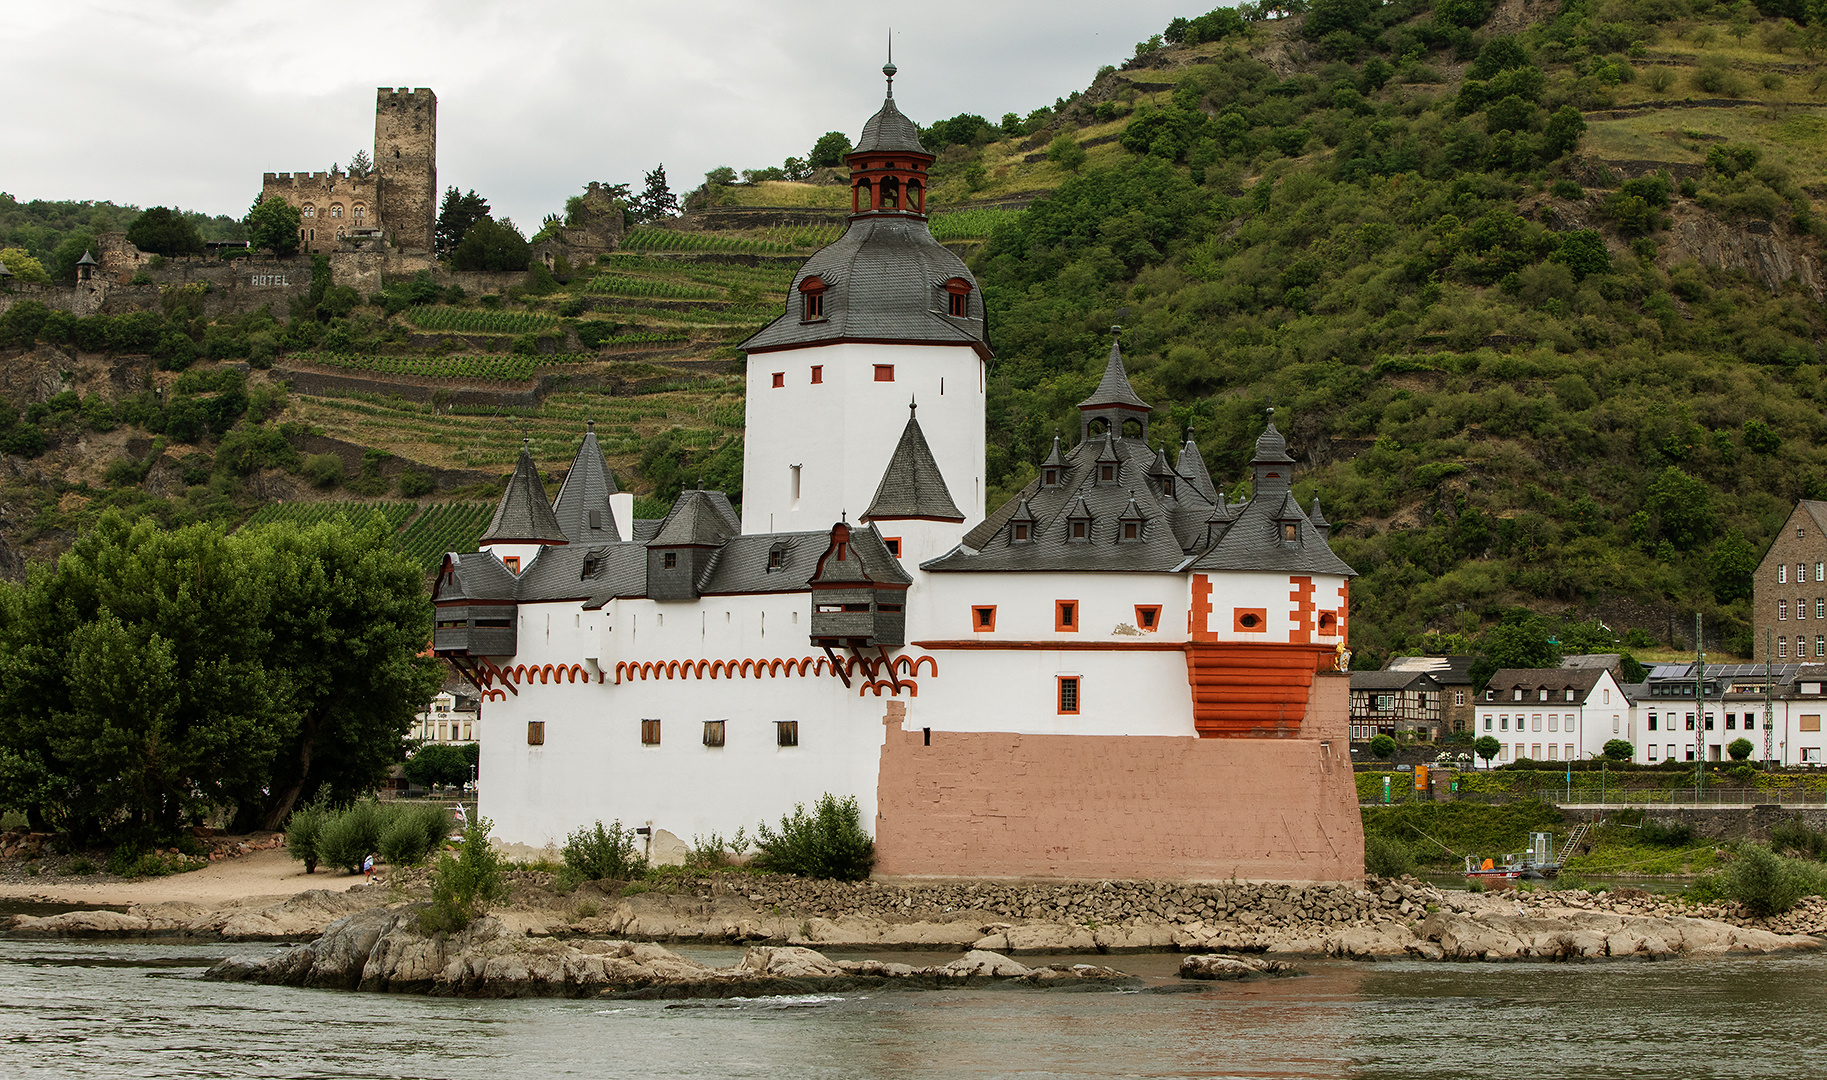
(387, 95)
(315, 179)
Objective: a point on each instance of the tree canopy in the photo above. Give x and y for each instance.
(828, 152)
(273, 223)
(492, 245)
(163, 231)
(456, 214)
(150, 676)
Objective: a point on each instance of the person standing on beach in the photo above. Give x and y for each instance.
(368, 870)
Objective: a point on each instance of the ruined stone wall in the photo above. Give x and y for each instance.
(406, 157)
(1003, 805)
(329, 204)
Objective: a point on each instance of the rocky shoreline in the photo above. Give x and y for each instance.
(1382, 919)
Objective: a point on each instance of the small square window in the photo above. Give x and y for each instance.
(884, 373)
(536, 732)
(1131, 530)
(960, 305)
(669, 560)
(983, 618)
(1020, 533)
(713, 732)
(1080, 528)
(818, 374)
(512, 562)
(1148, 616)
(1068, 695)
(786, 733)
(893, 544)
(1290, 531)
(650, 733)
(777, 559)
(780, 379)
(1107, 473)
(1065, 615)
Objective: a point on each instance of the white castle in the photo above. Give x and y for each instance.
(1115, 674)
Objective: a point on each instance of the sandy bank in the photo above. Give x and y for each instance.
(263, 875)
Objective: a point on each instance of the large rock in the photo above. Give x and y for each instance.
(1578, 934)
(1222, 967)
(81, 924)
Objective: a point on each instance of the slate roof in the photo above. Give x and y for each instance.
(1530, 680)
(889, 130)
(476, 575)
(1392, 680)
(1446, 670)
(741, 564)
(912, 486)
(524, 515)
(1114, 388)
(587, 487)
(872, 563)
(698, 519)
(1252, 540)
(884, 279)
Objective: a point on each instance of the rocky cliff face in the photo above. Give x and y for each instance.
(1754, 249)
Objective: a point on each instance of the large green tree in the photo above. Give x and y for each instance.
(492, 245)
(273, 223)
(163, 231)
(828, 152)
(456, 214)
(151, 675)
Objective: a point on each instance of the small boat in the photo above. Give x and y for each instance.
(1536, 864)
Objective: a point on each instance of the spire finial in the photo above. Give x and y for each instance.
(589, 425)
(889, 69)
(913, 406)
(1116, 331)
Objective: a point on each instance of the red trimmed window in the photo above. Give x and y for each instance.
(983, 618)
(884, 373)
(818, 374)
(812, 299)
(893, 544)
(1148, 617)
(1068, 695)
(512, 562)
(1250, 620)
(958, 298)
(780, 379)
(650, 733)
(1065, 615)
(1328, 623)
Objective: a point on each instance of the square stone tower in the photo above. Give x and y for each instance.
(406, 157)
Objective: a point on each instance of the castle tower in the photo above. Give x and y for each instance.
(883, 314)
(406, 157)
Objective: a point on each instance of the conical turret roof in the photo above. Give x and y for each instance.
(587, 487)
(1114, 388)
(523, 515)
(888, 130)
(912, 486)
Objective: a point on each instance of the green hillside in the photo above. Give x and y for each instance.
(1536, 298)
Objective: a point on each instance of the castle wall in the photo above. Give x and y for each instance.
(330, 205)
(1003, 805)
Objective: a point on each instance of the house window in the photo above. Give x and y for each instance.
(1249, 620)
(1820, 646)
(777, 559)
(536, 733)
(512, 562)
(1810, 722)
(1570, 694)
(1459, 697)
(958, 305)
(1820, 571)
(1290, 532)
(1607, 695)
(1020, 533)
(818, 374)
(359, 211)
(1652, 751)
(786, 733)
(1503, 722)
(983, 618)
(1148, 616)
(1517, 694)
(589, 566)
(893, 544)
(1107, 473)
(812, 299)
(713, 732)
(1731, 723)
(1132, 530)
(1537, 721)
(1068, 695)
(884, 373)
(650, 733)
(1065, 615)
(1782, 647)
(1750, 722)
(670, 560)
(1782, 573)
(1652, 721)
(1811, 753)
(780, 379)
(1690, 721)
(1080, 529)
(336, 210)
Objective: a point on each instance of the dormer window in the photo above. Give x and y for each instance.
(1519, 694)
(1106, 474)
(1543, 694)
(812, 299)
(1167, 487)
(1290, 532)
(777, 557)
(589, 567)
(512, 562)
(1569, 693)
(1020, 532)
(1049, 478)
(1081, 528)
(958, 298)
(1132, 531)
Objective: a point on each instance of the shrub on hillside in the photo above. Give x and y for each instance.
(828, 843)
(1383, 746)
(465, 885)
(1387, 857)
(598, 853)
(1793, 836)
(1764, 882)
(413, 833)
(324, 470)
(1666, 834)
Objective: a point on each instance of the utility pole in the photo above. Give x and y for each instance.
(1700, 710)
(1769, 708)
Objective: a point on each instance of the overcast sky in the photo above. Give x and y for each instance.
(186, 102)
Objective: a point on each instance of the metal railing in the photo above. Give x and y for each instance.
(1584, 798)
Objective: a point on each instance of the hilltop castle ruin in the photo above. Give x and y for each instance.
(397, 203)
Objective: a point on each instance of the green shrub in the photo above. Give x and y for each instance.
(1383, 747)
(597, 853)
(414, 483)
(1763, 881)
(829, 843)
(1740, 749)
(301, 835)
(351, 835)
(1796, 837)
(1387, 857)
(413, 833)
(324, 470)
(1618, 750)
(1666, 834)
(465, 885)
(713, 852)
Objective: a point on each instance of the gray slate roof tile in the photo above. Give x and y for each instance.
(523, 514)
(912, 486)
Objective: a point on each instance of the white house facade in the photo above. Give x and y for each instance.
(1553, 714)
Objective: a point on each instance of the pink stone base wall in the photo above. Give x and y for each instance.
(1002, 805)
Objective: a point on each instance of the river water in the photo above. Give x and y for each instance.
(142, 1010)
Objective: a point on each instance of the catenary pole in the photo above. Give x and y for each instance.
(1769, 707)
